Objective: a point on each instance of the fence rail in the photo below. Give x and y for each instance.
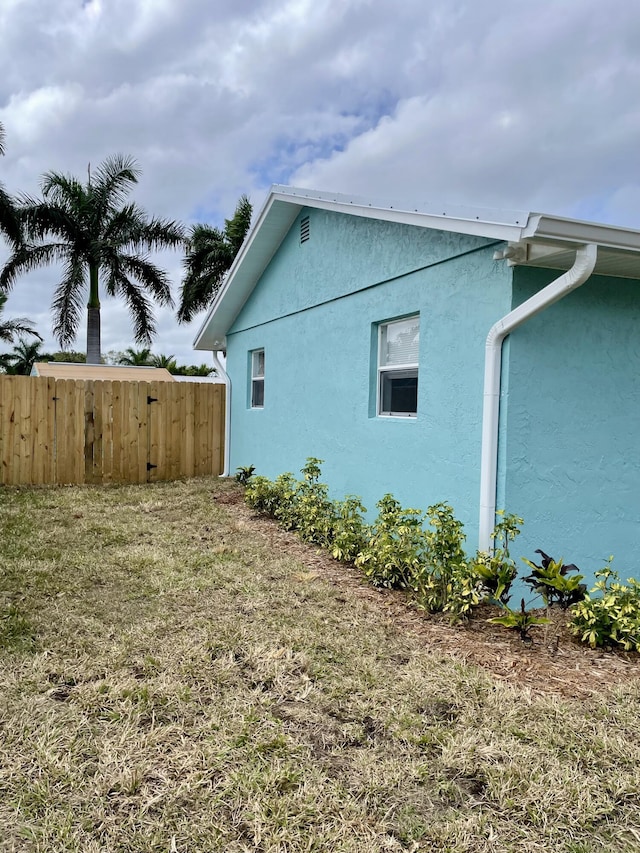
(82, 431)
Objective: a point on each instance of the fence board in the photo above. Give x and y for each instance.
(73, 431)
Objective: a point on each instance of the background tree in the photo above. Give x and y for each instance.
(210, 253)
(22, 358)
(95, 235)
(166, 361)
(9, 219)
(9, 329)
(194, 370)
(136, 357)
(68, 356)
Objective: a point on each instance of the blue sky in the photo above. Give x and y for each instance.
(502, 104)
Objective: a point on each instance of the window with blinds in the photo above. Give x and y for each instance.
(257, 379)
(398, 348)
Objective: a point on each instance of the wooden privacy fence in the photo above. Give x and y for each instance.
(75, 431)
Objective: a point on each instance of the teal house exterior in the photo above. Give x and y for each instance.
(490, 360)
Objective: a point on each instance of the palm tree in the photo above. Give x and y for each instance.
(136, 357)
(210, 253)
(95, 235)
(166, 361)
(9, 219)
(21, 360)
(16, 326)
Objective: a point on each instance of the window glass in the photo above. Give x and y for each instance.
(398, 353)
(257, 379)
(399, 342)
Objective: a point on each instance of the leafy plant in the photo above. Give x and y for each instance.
(394, 554)
(265, 495)
(301, 505)
(522, 620)
(552, 581)
(497, 571)
(447, 581)
(610, 613)
(350, 530)
(308, 509)
(244, 473)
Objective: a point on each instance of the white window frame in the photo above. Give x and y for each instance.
(401, 371)
(257, 377)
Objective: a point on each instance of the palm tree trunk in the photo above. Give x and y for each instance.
(93, 318)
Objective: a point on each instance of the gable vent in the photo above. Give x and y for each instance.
(304, 229)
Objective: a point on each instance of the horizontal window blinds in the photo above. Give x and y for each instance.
(400, 342)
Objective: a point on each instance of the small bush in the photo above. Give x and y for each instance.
(447, 581)
(497, 571)
(350, 530)
(553, 581)
(522, 620)
(244, 473)
(394, 553)
(311, 511)
(611, 615)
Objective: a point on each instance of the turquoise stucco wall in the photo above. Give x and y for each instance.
(318, 360)
(570, 459)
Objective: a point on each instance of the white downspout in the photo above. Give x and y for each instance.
(227, 410)
(580, 271)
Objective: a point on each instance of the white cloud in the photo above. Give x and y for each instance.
(503, 103)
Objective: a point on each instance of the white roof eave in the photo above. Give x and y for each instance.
(283, 205)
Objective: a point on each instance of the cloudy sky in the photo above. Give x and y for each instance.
(495, 103)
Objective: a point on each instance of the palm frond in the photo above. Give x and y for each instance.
(149, 276)
(65, 191)
(68, 302)
(237, 228)
(111, 182)
(9, 217)
(144, 327)
(29, 257)
(15, 326)
(163, 234)
(210, 252)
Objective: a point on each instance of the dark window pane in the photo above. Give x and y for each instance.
(257, 393)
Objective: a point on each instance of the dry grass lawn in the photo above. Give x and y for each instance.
(171, 681)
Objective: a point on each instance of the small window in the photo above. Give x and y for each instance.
(257, 379)
(398, 345)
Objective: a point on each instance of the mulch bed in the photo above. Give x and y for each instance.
(553, 663)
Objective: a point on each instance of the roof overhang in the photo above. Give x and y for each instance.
(532, 239)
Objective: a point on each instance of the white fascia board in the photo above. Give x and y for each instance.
(561, 230)
(497, 225)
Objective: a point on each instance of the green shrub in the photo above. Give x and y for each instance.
(350, 530)
(610, 613)
(394, 554)
(272, 497)
(244, 473)
(497, 571)
(312, 511)
(553, 582)
(447, 581)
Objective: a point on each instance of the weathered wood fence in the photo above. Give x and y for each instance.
(75, 431)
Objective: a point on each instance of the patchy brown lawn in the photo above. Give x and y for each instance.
(178, 674)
